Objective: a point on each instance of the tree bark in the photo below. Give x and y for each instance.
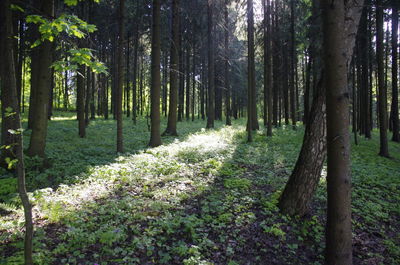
(338, 226)
(304, 179)
(174, 76)
(9, 90)
(226, 67)
(120, 82)
(382, 97)
(155, 138)
(37, 143)
(211, 76)
(395, 91)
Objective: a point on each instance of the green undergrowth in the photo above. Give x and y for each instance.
(205, 197)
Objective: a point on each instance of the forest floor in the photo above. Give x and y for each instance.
(205, 197)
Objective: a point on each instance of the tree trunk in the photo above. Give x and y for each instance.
(9, 90)
(174, 76)
(226, 70)
(304, 179)
(395, 92)
(80, 100)
(211, 76)
(187, 92)
(40, 108)
(338, 226)
(135, 75)
(292, 66)
(155, 138)
(382, 100)
(119, 92)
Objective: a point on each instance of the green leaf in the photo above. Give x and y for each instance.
(71, 2)
(16, 8)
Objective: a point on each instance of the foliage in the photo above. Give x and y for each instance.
(73, 27)
(206, 197)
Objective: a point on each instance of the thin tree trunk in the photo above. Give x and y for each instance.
(226, 70)
(119, 92)
(395, 92)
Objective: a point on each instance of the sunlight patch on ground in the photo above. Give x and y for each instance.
(167, 174)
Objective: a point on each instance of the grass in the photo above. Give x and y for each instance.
(205, 197)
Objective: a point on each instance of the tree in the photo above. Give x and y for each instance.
(41, 89)
(9, 87)
(338, 227)
(80, 101)
(120, 144)
(155, 138)
(304, 179)
(251, 102)
(395, 91)
(267, 66)
(174, 70)
(226, 70)
(211, 66)
(382, 96)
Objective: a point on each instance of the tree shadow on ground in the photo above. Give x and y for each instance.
(208, 199)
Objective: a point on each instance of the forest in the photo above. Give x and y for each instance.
(199, 132)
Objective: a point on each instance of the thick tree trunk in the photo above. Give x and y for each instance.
(155, 138)
(305, 177)
(174, 76)
(338, 227)
(40, 108)
(382, 100)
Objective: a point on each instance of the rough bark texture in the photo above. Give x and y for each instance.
(174, 76)
(306, 174)
(338, 227)
(155, 138)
